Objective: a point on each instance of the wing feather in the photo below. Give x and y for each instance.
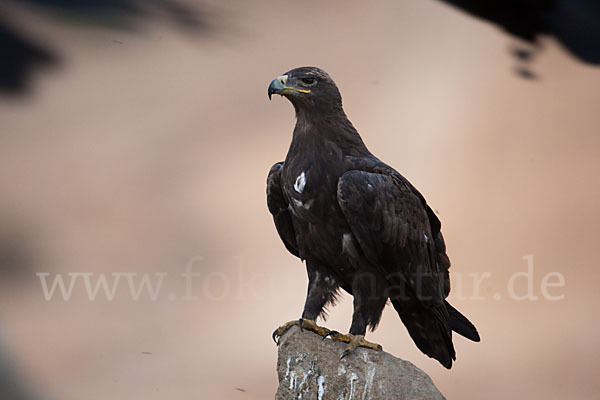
(278, 207)
(392, 225)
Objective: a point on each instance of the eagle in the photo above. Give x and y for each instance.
(359, 226)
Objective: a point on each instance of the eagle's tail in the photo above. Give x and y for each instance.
(429, 329)
(460, 324)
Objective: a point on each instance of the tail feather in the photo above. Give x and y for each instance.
(460, 324)
(429, 329)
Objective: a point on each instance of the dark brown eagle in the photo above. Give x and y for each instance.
(359, 225)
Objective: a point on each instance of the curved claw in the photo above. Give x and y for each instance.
(359, 341)
(330, 333)
(300, 323)
(277, 333)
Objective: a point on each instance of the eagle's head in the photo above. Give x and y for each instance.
(307, 88)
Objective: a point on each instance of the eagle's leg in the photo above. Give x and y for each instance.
(321, 290)
(369, 300)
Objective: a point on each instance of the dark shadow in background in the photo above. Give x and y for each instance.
(574, 23)
(21, 55)
(16, 261)
(11, 387)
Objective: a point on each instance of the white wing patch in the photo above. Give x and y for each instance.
(300, 182)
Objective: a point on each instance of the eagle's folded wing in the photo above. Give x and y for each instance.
(278, 206)
(392, 227)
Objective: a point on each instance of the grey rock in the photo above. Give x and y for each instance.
(310, 368)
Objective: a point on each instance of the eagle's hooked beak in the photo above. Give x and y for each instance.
(279, 86)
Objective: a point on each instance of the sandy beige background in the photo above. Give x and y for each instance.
(148, 147)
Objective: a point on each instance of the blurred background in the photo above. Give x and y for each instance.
(135, 138)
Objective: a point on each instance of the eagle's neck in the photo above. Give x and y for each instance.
(317, 128)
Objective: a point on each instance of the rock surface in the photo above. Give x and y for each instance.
(310, 368)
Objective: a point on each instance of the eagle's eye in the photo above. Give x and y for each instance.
(308, 81)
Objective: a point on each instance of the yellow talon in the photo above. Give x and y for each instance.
(353, 341)
(359, 341)
(303, 324)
